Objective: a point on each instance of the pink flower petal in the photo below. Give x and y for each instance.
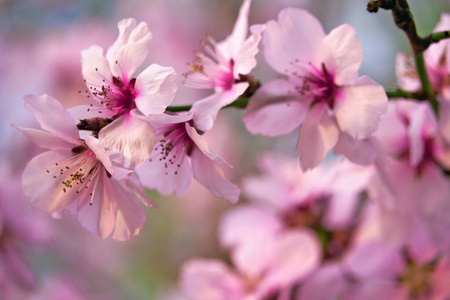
(156, 88)
(385, 262)
(130, 49)
(422, 125)
(44, 139)
(296, 35)
(274, 110)
(202, 145)
(233, 43)
(361, 152)
(100, 153)
(358, 112)
(326, 283)
(61, 124)
(209, 173)
(47, 192)
(203, 279)
(245, 60)
(206, 110)
(114, 212)
(318, 135)
(295, 255)
(244, 223)
(94, 67)
(345, 54)
(444, 120)
(164, 177)
(129, 140)
(133, 183)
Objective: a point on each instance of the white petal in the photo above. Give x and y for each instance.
(156, 88)
(130, 49)
(95, 68)
(128, 140)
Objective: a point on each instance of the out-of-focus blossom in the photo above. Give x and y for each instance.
(282, 263)
(75, 173)
(321, 91)
(109, 80)
(413, 190)
(320, 203)
(223, 68)
(437, 64)
(409, 132)
(17, 235)
(182, 154)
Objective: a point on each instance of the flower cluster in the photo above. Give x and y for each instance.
(360, 214)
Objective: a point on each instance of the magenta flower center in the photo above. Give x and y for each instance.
(172, 149)
(315, 83)
(116, 94)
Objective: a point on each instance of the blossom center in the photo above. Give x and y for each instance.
(171, 150)
(115, 94)
(78, 172)
(210, 69)
(318, 84)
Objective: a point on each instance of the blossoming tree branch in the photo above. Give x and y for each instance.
(362, 213)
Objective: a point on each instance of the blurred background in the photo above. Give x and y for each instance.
(40, 44)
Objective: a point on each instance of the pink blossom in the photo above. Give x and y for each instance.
(110, 83)
(287, 260)
(75, 173)
(182, 154)
(333, 188)
(222, 68)
(321, 90)
(410, 132)
(394, 272)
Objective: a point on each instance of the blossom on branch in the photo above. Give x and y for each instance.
(78, 175)
(222, 67)
(180, 155)
(110, 83)
(320, 88)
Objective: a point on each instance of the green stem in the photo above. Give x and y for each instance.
(401, 94)
(426, 85)
(178, 108)
(240, 102)
(437, 36)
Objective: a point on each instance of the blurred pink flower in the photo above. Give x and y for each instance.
(223, 67)
(18, 236)
(282, 262)
(437, 64)
(76, 172)
(182, 154)
(322, 90)
(409, 132)
(109, 81)
(331, 191)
